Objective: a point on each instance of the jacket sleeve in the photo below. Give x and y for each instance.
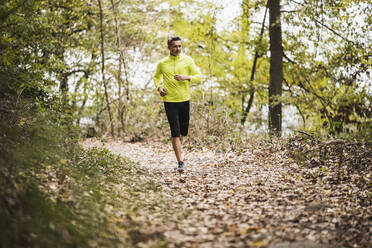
(196, 76)
(158, 76)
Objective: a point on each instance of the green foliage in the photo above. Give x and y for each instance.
(325, 71)
(329, 82)
(325, 87)
(55, 193)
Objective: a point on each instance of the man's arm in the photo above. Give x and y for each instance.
(195, 74)
(182, 78)
(157, 80)
(157, 77)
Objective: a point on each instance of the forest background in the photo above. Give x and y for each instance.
(84, 68)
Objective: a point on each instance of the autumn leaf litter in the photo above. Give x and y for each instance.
(254, 197)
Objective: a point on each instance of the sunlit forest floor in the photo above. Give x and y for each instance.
(254, 196)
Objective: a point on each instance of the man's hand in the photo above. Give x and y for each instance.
(162, 91)
(181, 78)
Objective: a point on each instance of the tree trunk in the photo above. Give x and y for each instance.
(103, 67)
(276, 68)
(63, 88)
(256, 55)
(126, 69)
(119, 79)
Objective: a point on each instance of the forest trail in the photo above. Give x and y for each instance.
(254, 197)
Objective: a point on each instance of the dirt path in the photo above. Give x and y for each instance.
(255, 197)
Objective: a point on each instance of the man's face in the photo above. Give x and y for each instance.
(175, 47)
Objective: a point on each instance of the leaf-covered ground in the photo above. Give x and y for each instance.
(255, 196)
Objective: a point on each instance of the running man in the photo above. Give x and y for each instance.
(178, 71)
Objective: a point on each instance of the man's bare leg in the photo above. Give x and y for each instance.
(176, 143)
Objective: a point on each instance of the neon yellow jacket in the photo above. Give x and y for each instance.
(177, 91)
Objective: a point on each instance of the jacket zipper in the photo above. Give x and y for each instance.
(174, 66)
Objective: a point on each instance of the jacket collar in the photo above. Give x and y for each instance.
(174, 57)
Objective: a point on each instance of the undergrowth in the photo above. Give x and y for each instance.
(54, 193)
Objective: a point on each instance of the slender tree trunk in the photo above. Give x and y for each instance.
(256, 56)
(103, 67)
(276, 68)
(63, 87)
(87, 74)
(64, 91)
(81, 109)
(119, 79)
(126, 69)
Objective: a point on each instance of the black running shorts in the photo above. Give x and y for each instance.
(178, 114)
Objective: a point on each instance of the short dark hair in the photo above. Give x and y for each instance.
(173, 38)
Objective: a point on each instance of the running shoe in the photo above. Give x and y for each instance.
(181, 167)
